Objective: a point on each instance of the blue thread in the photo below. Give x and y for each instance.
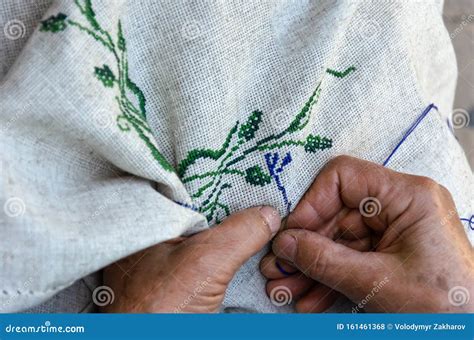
(410, 130)
(272, 161)
(470, 221)
(186, 205)
(283, 271)
(408, 133)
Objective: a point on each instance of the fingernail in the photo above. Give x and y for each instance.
(285, 247)
(271, 218)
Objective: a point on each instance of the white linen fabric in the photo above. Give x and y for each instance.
(115, 137)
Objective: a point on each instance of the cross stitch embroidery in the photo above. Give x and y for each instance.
(130, 98)
(240, 143)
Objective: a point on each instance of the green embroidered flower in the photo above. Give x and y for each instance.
(248, 129)
(314, 143)
(105, 75)
(54, 23)
(256, 176)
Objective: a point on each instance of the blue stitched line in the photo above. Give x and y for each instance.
(470, 221)
(408, 133)
(272, 161)
(283, 271)
(410, 130)
(186, 205)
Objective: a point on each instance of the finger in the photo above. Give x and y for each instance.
(294, 286)
(273, 268)
(238, 237)
(364, 244)
(332, 264)
(317, 299)
(352, 226)
(343, 184)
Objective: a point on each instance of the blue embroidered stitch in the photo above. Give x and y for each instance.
(404, 138)
(470, 221)
(410, 130)
(186, 205)
(272, 161)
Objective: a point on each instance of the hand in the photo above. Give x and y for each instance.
(390, 242)
(190, 274)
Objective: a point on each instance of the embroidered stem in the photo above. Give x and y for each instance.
(130, 114)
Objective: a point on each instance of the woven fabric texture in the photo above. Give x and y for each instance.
(153, 119)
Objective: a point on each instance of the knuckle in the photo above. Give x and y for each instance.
(427, 184)
(318, 266)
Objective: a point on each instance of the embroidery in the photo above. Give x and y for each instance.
(410, 130)
(130, 98)
(470, 221)
(272, 161)
(241, 142)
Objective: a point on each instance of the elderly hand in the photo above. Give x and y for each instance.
(190, 274)
(390, 242)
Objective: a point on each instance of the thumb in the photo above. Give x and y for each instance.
(341, 268)
(240, 236)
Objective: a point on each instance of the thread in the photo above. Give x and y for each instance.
(410, 130)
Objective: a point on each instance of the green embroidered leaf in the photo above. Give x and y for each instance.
(314, 143)
(195, 154)
(120, 40)
(255, 175)
(137, 92)
(105, 75)
(90, 14)
(248, 129)
(54, 23)
(298, 123)
(340, 74)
